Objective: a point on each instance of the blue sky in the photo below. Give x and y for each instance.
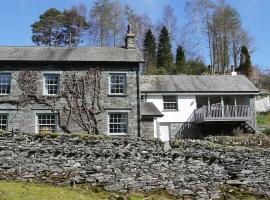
(16, 16)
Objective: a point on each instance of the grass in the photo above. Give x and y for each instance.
(10, 190)
(263, 119)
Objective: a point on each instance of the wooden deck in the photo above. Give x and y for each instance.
(223, 113)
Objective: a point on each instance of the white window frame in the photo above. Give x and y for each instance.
(1, 124)
(45, 91)
(125, 83)
(126, 123)
(170, 109)
(38, 124)
(6, 84)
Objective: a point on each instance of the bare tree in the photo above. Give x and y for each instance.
(82, 94)
(118, 24)
(170, 21)
(101, 22)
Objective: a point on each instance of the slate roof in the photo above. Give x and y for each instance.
(149, 109)
(199, 83)
(95, 54)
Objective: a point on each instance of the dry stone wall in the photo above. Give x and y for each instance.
(195, 168)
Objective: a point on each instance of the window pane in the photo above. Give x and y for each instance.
(117, 83)
(170, 102)
(46, 122)
(118, 123)
(5, 80)
(51, 84)
(3, 121)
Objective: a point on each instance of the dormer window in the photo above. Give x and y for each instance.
(117, 84)
(5, 82)
(51, 84)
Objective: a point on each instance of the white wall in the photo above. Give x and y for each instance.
(186, 106)
(262, 104)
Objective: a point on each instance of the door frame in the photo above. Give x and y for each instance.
(164, 124)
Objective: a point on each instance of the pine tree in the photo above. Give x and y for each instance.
(245, 63)
(180, 60)
(149, 48)
(164, 53)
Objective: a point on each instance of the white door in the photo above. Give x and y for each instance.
(164, 133)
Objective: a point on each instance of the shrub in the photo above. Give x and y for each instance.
(266, 131)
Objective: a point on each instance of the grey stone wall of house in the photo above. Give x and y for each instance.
(24, 118)
(195, 168)
(147, 128)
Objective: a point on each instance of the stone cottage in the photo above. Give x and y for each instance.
(99, 90)
(92, 89)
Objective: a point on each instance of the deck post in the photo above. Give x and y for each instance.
(222, 106)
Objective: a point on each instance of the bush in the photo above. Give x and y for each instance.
(266, 131)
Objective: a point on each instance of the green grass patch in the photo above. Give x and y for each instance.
(263, 119)
(10, 190)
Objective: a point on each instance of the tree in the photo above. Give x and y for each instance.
(164, 52)
(245, 63)
(101, 22)
(48, 31)
(139, 23)
(180, 60)
(74, 24)
(149, 49)
(169, 20)
(118, 24)
(194, 67)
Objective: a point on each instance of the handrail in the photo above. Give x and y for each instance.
(222, 112)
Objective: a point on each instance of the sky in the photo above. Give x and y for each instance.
(16, 17)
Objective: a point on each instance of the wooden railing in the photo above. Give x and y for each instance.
(223, 113)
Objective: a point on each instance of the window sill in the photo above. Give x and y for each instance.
(116, 95)
(4, 95)
(117, 134)
(52, 95)
(170, 110)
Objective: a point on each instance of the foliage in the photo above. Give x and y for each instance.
(245, 65)
(180, 60)
(150, 55)
(58, 29)
(218, 24)
(164, 52)
(263, 118)
(33, 191)
(266, 131)
(194, 67)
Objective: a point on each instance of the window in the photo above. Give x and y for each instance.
(118, 123)
(5, 80)
(3, 121)
(51, 84)
(117, 83)
(170, 102)
(46, 122)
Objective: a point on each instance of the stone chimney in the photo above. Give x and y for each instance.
(130, 39)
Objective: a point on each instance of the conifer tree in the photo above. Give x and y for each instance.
(164, 53)
(245, 63)
(180, 60)
(149, 48)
